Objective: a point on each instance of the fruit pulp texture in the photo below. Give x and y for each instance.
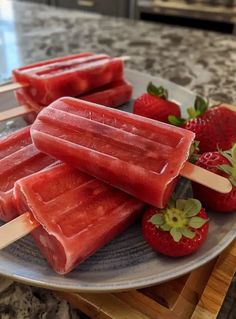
(77, 213)
(112, 95)
(69, 76)
(18, 158)
(140, 156)
(215, 129)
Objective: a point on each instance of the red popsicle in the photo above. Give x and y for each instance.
(111, 95)
(140, 156)
(18, 158)
(68, 76)
(77, 214)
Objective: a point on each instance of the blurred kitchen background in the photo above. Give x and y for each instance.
(218, 15)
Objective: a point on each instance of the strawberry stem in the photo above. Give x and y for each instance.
(157, 91)
(230, 169)
(200, 107)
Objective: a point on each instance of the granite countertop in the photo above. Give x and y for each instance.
(204, 62)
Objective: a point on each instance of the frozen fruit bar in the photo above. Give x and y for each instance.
(18, 158)
(111, 95)
(69, 76)
(140, 156)
(77, 213)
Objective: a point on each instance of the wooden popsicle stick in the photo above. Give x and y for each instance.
(14, 112)
(16, 229)
(206, 178)
(12, 87)
(125, 58)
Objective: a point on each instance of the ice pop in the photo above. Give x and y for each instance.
(77, 213)
(73, 75)
(18, 158)
(112, 95)
(140, 156)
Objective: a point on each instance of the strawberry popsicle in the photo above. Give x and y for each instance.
(111, 95)
(18, 158)
(140, 156)
(77, 213)
(68, 76)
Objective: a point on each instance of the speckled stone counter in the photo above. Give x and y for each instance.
(204, 62)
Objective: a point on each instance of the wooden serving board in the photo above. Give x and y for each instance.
(198, 295)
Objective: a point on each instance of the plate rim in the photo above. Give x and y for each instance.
(147, 282)
(134, 283)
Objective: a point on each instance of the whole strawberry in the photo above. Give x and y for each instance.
(155, 104)
(215, 128)
(178, 230)
(222, 163)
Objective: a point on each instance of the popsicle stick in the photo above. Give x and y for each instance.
(16, 229)
(206, 178)
(125, 58)
(14, 112)
(12, 87)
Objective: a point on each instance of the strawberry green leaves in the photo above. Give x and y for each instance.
(177, 121)
(157, 91)
(180, 218)
(157, 219)
(230, 169)
(191, 207)
(176, 234)
(196, 222)
(233, 153)
(200, 107)
(188, 233)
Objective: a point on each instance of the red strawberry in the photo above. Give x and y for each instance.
(215, 128)
(221, 163)
(178, 230)
(155, 104)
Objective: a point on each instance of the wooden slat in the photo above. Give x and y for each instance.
(192, 290)
(167, 294)
(148, 306)
(217, 286)
(194, 287)
(176, 299)
(198, 295)
(102, 306)
(170, 294)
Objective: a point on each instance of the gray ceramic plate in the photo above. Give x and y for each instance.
(127, 262)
